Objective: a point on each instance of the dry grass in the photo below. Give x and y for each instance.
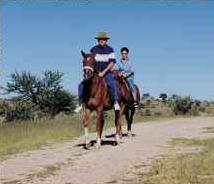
(196, 168)
(22, 136)
(17, 137)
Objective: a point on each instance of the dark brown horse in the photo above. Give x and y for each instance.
(129, 109)
(96, 98)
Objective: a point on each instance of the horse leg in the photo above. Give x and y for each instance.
(99, 127)
(85, 121)
(122, 111)
(118, 117)
(130, 122)
(102, 124)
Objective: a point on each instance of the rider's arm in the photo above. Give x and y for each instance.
(109, 67)
(111, 64)
(127, 70)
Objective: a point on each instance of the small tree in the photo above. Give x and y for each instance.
(46, 93)
(163, 96)
(145, 96)
(26, 85)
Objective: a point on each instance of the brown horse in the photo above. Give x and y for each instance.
(129, 109)
(96, 98)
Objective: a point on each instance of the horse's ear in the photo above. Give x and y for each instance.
(83, 53)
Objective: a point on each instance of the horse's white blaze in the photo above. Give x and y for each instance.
(89, 68)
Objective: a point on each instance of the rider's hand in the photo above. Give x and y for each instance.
(101, 74)
(120, 74)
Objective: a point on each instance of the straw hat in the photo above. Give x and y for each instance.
(102, 35)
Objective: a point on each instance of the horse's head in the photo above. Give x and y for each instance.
(88, 65)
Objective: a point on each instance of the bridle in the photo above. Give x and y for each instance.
(89, 75)
(89, 68)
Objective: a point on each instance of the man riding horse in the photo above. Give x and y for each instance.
(103, 88)
(105, 61)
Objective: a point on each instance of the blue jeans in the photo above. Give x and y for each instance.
(80, 92)
(130, 82)
(111, 83)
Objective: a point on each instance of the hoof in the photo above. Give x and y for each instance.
(117, 139)
(121, 135)
(115, 143)
(98, 144)
(129, 134)
(87, 146)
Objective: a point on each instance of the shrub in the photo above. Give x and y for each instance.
(182, 105)
(59, 101)
(45, 94)
(18, 111)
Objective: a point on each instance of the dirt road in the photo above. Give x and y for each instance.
(69, 163)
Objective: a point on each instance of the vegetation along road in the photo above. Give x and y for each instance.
(68, 162)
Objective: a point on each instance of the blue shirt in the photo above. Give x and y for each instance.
(124, 67)
(104, 55)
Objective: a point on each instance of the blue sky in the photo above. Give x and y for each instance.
(171, 44)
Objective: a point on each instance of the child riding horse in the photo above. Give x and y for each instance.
(127, 73)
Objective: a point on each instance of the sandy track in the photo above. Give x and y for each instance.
(69, 163)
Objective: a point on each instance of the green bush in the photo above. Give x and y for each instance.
(45, 93)
(181, 105)
(59, 101)
(18, 111)
(184, 105)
